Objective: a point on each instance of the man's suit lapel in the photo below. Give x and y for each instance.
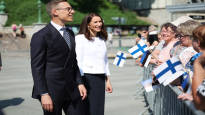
(56, 35)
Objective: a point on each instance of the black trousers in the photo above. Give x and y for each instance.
(68, 106)
(95, 101)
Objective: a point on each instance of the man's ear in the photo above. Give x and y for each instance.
(54, 12)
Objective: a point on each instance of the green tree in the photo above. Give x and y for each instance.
(88, 6)
(45, 1)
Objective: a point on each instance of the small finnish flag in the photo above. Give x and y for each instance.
(139, 49)
(167, 69)
(186, 83)
(173, 77)
(120, 59)
(148, 85)
(145, 59)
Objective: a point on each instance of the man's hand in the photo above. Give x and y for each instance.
(0, 68)
(47, 103)
(83, 91)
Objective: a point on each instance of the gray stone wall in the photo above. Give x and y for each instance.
(177, 2)
(159, 16)
(29, 30)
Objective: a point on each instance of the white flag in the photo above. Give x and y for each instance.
(138, 50)
(120, 59)
(167, 69)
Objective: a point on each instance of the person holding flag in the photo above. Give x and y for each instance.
(168, 39)
(186, 53)
(168, 34)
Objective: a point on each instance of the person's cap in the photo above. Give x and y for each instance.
(181, 19)
(153, 33)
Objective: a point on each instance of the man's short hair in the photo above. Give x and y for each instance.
(52, 4)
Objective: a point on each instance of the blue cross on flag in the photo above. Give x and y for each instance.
(186, 83)
(139, 49)
(145, 59)
(120, 59)
(167, 69)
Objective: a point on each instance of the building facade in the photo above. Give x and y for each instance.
(161, 11)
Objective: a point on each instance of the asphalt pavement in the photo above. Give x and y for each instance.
(16, 87)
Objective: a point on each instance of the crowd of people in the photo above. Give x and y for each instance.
(15, 32)
(185, 40)
(71, 73)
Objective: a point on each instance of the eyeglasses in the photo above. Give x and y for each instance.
(167, 31)
(181, 36)
(69, 9)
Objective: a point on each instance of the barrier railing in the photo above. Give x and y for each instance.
(163, 100)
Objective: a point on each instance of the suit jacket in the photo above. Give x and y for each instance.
(54, 65)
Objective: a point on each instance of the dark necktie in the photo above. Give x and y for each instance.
(66, 36)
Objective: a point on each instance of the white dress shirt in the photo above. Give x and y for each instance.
(91, 55)
(58, 27)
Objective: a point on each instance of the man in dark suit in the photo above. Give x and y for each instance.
(57, 81)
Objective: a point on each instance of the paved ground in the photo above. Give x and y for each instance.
(16, 85)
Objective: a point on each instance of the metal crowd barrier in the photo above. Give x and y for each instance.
(163, 100)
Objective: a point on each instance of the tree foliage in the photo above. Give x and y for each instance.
(45, 1)
(87, 6)
(26, 12)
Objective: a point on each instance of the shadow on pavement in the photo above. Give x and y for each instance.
(9, 102)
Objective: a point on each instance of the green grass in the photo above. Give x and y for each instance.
(26, 12)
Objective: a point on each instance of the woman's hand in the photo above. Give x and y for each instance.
(83, 91)
(108, 85)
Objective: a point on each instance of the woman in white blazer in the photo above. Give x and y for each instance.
(93, 62)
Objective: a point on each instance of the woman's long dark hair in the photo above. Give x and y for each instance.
(84, 27)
